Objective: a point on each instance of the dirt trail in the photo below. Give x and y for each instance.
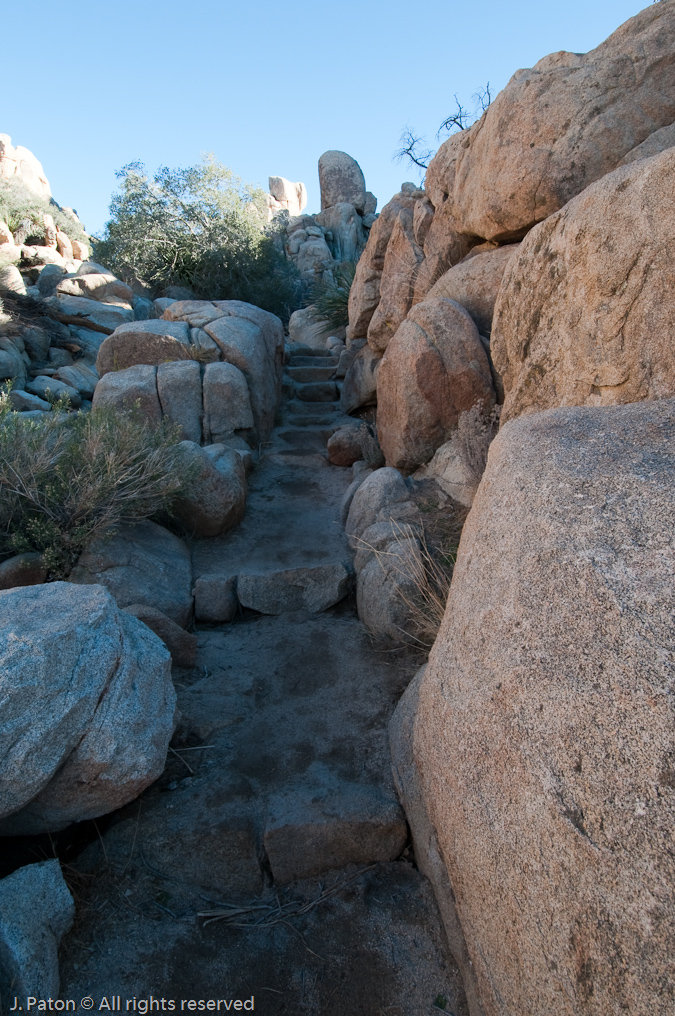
(277, 813)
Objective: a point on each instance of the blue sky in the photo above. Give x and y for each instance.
(266, 86)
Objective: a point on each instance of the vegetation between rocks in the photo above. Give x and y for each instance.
(65, 480)
(24, 213)
(201, 228)
(329, 297)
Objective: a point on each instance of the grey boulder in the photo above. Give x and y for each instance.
(141, 563)
(86, 702)
(216, 496)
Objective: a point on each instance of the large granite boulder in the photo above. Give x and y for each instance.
(341, 179)
(560, 126)
(87, 705)
(434, 369)
(36, 911)
(179, 389)
(227, 403)
(545, 726)
(141, 563)
(587, 307)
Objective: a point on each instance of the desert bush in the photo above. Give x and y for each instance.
(329, 296)
(66, 479)
(24, 213)
(201, 228)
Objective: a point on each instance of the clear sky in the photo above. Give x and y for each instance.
(266, 86)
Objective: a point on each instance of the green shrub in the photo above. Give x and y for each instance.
(24, 212)
(202, 228)
(65, 480)
(329, 297)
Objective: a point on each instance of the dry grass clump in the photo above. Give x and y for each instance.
(473, 437)
(68, 478)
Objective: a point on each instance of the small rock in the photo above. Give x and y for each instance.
(44, 386)
(22, 401)
(383, 488)
(330, 826)
(181, 644)
(215, 599)
(313, 589)
(11, 280)
(22, 570)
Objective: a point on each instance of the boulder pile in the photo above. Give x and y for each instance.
(534, 754)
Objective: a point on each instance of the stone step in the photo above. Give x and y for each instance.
(304, 374)
(313, 361)
(315, 438)
(297, 408)
(317, 391)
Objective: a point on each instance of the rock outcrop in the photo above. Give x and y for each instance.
(17, 163)
(364, 294)
(341, 179)
(575, 326)
(544, 730)
(562, 125)
(87, 696)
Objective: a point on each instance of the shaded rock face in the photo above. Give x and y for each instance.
(586, 311)
(474, 283)
(359, 387)
(545, 728)
(434, 368)
(87, 696)
(560, 126)
(397, 283)
(364, 294)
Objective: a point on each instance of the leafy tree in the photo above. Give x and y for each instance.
(201, 228)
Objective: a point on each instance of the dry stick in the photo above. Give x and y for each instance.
(220, 915)
(187, 766)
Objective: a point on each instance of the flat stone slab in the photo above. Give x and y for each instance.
(317, 391)
(304, 374)
(330, 824)
(313, 589)
(290, 551)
